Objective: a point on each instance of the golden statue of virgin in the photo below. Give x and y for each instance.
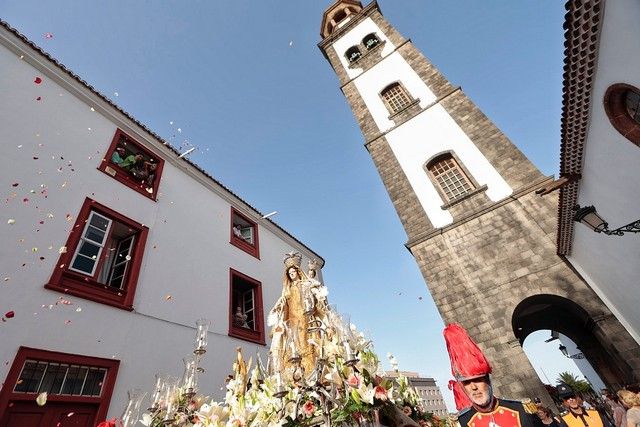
(302, 303)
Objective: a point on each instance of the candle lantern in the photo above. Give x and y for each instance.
(202, 334)
(132, 411)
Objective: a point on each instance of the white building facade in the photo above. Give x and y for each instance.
(112, 247)
(600, 152)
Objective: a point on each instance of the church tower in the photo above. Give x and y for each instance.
(484, 241)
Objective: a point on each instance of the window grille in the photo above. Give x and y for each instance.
(60, 379)
(450, 178)
(396, 98)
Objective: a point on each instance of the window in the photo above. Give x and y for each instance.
(622, 105)
(73, 382)
(245, 308)
(449, 176)
(103, 257)
(244, 233)
(632, 102)
(395, 98)
(353, 54)
(370, 41)
(133, 165)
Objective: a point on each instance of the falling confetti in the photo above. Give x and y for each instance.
(37, 80)
(168, 297)
(116, 93)
(9, 314)
(15, 184)
(179, 130)
(39, 98)
(67, 322)
(41, 400)
(47, 36)
(11, 221)
(70, 414)
(291, 43)
(62, 250)
(78, 310)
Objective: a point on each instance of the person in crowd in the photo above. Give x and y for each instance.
(144, 171)
(631, 400)
(618, 410)
(577, 415)
(472, 388)
(118, 156)
(547, 417)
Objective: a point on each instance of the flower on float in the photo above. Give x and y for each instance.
(407, 410)
(354, 380)
(309, 408)
(212, 414)
(381, 393)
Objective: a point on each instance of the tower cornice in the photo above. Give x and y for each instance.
(340, 31)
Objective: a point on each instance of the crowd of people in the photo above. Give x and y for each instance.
(136, 165)
(479, 407)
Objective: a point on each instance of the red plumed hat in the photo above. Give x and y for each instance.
(461, 398)
(467, 360)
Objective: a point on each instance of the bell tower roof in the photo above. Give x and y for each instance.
(337, 12)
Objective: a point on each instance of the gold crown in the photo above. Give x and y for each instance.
(292, 259)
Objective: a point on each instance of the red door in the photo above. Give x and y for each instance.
(78, 387)
(29, 414)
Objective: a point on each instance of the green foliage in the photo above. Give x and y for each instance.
(578, 385)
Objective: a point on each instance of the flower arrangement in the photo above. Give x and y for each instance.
(332, 376)
(354, 394)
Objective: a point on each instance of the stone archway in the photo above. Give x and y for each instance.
(567, 317)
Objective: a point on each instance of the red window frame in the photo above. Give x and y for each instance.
(251, 249)
(246, 334)
(7, 394)
(65, 280)
(117, 173)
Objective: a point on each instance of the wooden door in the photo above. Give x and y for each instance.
(53, 414)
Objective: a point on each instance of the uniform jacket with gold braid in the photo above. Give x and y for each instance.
(507, 413)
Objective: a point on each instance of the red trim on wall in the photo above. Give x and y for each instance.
(123, 176)
(7, 395)
(74, 283)
(253, 250)
(238, 331)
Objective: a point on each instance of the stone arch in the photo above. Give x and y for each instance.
(553, 312)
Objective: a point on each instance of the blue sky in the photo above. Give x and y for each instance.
(247, 86)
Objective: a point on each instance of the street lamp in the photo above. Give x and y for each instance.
(589, 216)
(565, 353)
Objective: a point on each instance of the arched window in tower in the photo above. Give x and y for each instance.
(370, 41)
(449, 176)
(353, 53)
(395, 97)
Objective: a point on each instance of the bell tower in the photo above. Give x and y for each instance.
(483, 240)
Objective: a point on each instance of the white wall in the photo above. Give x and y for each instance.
(426, 135)
(187, 255)
(611, 173)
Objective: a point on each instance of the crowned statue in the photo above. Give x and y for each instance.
(297, 316)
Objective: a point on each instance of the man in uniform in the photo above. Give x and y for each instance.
(577, 415)
(472, 388)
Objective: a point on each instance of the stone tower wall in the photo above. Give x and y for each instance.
(495, 253)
